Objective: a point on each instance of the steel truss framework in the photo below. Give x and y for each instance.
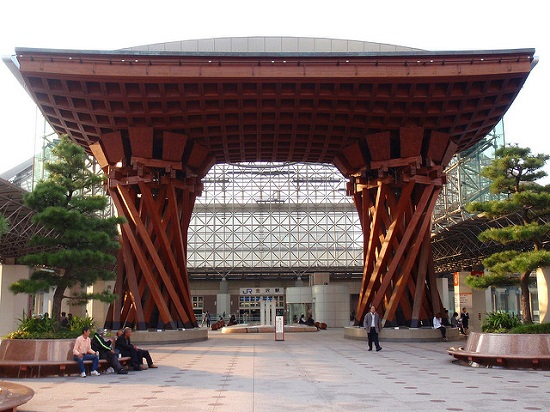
(464, 181)
(457, 247)
(291, 216)
(15, 242)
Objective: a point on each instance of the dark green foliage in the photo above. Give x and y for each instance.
(48, 328)
(513, 174)
(483, 282)
(500, 322)
(536, 328)
(77, 323)
(82, 251)
(4, 227)
(514, 167)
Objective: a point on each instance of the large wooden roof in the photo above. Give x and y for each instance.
(274, 105)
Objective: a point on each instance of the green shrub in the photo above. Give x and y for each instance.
(534, 328)
(500, 322)
(47, 328)
(77, 323)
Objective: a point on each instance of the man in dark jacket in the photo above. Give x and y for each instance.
(465, 317)
(126, 348)
(106, 351)
(373, 324)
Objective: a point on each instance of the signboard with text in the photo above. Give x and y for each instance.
(465, 300)
(279, 327)
(261, 291)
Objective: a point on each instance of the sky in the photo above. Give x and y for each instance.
(427, 24)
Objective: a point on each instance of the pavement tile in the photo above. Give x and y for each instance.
(307, 372)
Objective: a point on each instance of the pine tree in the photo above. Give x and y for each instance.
(514, 173)
(82, 251)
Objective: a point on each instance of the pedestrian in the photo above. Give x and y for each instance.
(106, 349)
(438, 324)
(465, 317)
(373, 324)
(454, 320)
(208, 318)
(64, 320)
(445, 318)
(82, 351)
(126, 348)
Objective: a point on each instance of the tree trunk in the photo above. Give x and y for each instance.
(525, 301)
(56, 303)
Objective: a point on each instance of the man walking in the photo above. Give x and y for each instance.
(373, 324)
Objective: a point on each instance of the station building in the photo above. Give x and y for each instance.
(286, 232)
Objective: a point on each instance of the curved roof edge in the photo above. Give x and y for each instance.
(259, 44)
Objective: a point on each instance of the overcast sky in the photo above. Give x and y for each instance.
(429, 25)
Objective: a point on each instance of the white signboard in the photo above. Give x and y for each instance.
(262, 291)
(279, 328)
(465, 300)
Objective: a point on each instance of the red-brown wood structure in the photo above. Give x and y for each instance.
(395, 197)
(158, 121)
(156, 196)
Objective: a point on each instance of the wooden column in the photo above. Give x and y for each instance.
(155, 190)
(395, 179)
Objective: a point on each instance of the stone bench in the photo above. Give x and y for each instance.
(23, 358)
(506, 350)
(403, 334)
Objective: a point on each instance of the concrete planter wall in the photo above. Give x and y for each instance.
(506, 350)
(46, 350)
(402, 334)
(46, 357)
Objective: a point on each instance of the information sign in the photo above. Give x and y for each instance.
(279, 327)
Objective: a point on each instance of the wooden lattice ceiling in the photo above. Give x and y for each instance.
(274, 107)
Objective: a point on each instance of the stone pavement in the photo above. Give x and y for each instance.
(305, 372)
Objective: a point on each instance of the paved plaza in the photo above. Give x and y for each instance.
(305, 372)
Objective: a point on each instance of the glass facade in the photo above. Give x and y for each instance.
(508, 299)
(287, 215)
(464, 181)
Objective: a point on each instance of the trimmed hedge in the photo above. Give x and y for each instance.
(534, 328)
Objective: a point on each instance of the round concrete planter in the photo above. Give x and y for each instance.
(402, 334)
(243, 328)
(169, 336)
(13, 395)
(505, 350)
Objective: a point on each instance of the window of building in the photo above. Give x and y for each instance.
(198, 302)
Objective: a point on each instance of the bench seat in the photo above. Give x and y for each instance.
(24, 358)
(512, 351)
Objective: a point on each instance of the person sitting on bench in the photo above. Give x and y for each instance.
(82, 351)
(126, 348)
(106, 350)
(438, 324)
